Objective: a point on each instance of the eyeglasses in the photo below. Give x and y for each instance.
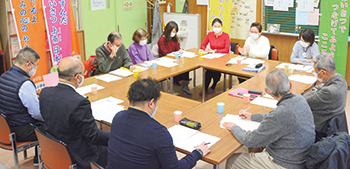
(36, 66)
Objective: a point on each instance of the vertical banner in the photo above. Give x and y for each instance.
(58, 29)
(73, 33)
(334, 31)
(30, 27)
(220, 9)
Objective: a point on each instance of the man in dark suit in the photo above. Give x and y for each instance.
(139, 141)
(68, 116)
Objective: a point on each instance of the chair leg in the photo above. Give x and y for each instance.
(25, 155)
(194, 78)
(39, 157)
(14, 149)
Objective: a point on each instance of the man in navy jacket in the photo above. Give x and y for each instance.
(137, 140)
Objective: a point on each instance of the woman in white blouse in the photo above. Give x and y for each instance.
(257, 45)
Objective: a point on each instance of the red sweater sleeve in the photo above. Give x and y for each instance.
(226, 40)
(205, 42)
(163, 48)
(177, 46)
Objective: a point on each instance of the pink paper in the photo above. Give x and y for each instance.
(51, 79)
(241, 90)
(313, 17)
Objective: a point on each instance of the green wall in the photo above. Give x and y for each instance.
(99, 23)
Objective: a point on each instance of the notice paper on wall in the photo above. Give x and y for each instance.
(280, 5)
(245, 124)
(187, 139)
(306, 5)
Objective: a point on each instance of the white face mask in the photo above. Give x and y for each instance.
(316, 75)
(217, 30)
(304, 44)
(172, 34)
(254, 35)
(82, 80)
(143, 42)
(32, 72)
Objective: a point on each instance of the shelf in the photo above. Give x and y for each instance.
(13, 35)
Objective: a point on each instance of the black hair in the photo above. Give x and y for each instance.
(308, 36)
(257, 25)
(143, 90)
(113, 36)
(167, 31)
(216, 20)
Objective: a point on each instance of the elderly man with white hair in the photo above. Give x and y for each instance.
(328, 99)
(288, 131)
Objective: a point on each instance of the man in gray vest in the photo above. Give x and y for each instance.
(18, 99)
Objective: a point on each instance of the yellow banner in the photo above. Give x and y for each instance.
(220, 9)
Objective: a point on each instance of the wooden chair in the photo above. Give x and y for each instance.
(273, 55)
(95, 166)
(8, 141)
(53, 153)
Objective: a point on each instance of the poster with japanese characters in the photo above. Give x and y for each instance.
(30, 27)
(334, 31)
(220, 9)
(242, 16)
(58, 29)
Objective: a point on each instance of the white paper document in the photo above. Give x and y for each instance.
(185, 54)
(87, 89)
(108, 78)
(303, 78)
(213, 55)
(265, 102)
(166, 62)
(245, 124)
(122, 72)
(105, 109)
(244, 60)
(140, 68)
(280, 5)
(306, 5)
(187, 139)
(301, 68)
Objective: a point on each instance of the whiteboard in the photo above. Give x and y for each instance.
(189, 23)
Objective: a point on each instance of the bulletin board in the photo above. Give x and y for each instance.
(189, 23)
(286, 19)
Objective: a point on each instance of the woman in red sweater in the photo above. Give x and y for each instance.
(169, 43)
(219, 43)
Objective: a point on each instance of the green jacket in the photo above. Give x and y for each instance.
(106, 64)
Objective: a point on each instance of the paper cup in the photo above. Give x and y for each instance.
(200, 52)
(246, 98)
(94, 89)
(136, 74)
(176, 55)
(291, 71)
(286, 67)
(239, 61)
(154, 65)
(221, 107)
(177, 116)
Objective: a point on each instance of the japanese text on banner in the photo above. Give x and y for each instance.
(220, 9)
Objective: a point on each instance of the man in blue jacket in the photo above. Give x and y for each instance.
(137, 140)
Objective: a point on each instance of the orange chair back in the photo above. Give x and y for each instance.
(236, 50)
(274, 54)
(54, 153)
(4, 131)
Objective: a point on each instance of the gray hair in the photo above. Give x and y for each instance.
(71, 72)
(277, 83)
(325, 61)
(26, 54)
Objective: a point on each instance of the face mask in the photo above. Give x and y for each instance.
(304, 44)
(32, 72)
(172, 34)
(82, 80)
(254, 35)
(217, 30)
(143, 42)
(154, 112)
(316, 75)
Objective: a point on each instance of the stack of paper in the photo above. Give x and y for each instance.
(244, 60)
(166, 62)
(105, 109)
(303, 78)
(184, 54)
(187, 139)
(87, 89)
(122, 72)
(245, 124)
(301, 68)
(140, 68)
(265, 102)
(108, 78)
(213, 55)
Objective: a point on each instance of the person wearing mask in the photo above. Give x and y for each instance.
(288, 131)
(112, 55)
(68, 116)
(138, 50)
(168, 43)
(257, 45)
(305, 49)
(139, 141)
(219, 43)
(328, 99)
(18, 99)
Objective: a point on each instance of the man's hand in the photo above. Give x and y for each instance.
(114, 51)
(205, 149)
(245, 115)
(228, 125)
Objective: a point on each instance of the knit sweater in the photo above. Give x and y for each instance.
(107, 64)
(288, 131)
(221, 43)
